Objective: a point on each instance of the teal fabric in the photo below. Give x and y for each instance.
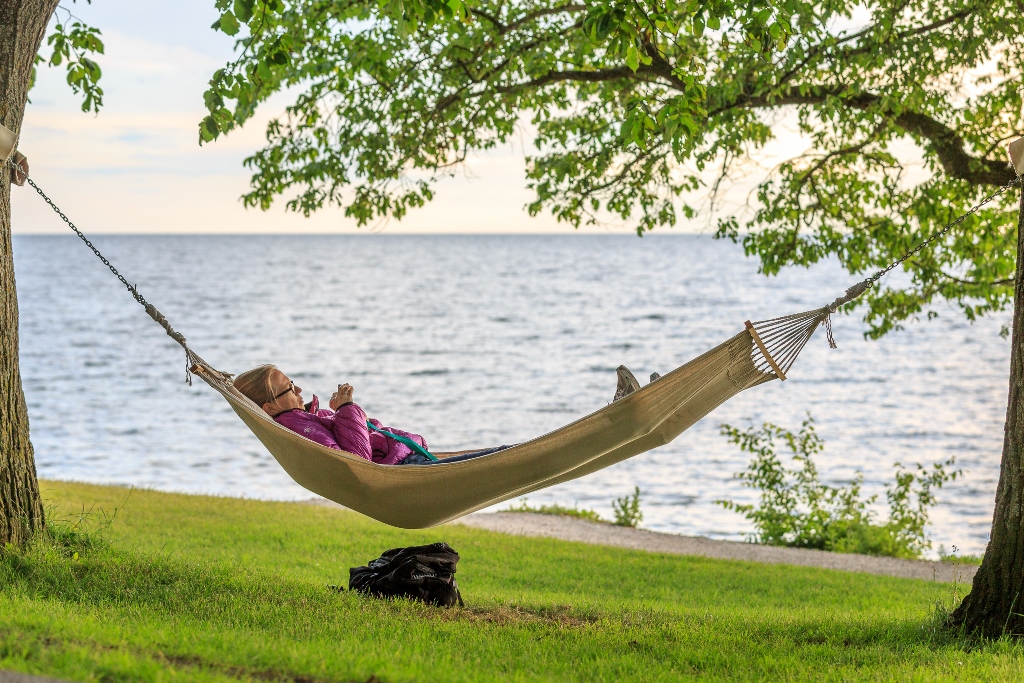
(408, 442)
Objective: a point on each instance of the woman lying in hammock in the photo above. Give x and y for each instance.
(343, 427)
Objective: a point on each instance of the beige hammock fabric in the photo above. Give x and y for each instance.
(420, 496)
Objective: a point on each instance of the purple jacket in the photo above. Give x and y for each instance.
(346, 430)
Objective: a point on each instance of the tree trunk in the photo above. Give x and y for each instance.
(22, 26)
(995, 604)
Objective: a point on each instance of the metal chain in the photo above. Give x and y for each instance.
(131, 288)
(874, 278)
(156, 315)
(864, 285)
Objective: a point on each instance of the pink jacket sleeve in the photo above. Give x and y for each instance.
(349, 427)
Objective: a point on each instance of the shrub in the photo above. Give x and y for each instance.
(798, 511)
(627, 510)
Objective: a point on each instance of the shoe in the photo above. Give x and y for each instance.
(655, 376)
(627, 383)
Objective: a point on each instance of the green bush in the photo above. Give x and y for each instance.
(798, 511)
(627, 510)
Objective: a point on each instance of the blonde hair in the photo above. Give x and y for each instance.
(255, 384)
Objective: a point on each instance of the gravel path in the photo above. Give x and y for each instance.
(573, 529)
(14, 677)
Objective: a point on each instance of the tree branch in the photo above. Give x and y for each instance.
(944, 141)
(596, 76)
(975, 283)
(544, 13)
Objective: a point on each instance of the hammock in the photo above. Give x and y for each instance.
(415, 497)
(420, 496)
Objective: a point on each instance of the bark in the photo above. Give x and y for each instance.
(995, 605)
(22, 26)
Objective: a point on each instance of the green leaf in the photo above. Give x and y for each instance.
(379, 88)
(243, 10)
(632, 58)
(228, 23)
(208, 130)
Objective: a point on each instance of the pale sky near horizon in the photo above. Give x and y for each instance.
(137, 167)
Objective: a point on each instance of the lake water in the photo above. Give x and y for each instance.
(475, 340)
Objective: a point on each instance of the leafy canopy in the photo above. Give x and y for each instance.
(643, 109)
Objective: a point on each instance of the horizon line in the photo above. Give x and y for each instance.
(18, 233)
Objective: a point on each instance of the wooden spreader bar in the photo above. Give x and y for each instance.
(764, 351)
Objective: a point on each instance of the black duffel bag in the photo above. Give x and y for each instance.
(422, 572)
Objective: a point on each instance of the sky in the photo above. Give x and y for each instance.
(137, 167)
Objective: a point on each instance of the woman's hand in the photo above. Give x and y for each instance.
(342, 396)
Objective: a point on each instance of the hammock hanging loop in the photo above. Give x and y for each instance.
(162, 321)
(851, 294)
(190, 358)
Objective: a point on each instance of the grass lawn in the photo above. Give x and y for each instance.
(212, 589)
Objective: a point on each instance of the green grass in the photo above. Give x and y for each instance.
(556, 509)
(195, 588)
(961, 559)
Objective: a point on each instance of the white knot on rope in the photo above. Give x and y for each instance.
(190, 358)
(851, 294)
(162, 321)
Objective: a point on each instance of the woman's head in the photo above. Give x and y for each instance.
(269, 388)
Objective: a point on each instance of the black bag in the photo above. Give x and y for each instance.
(422, 572)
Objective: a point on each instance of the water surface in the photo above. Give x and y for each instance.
(478, 340)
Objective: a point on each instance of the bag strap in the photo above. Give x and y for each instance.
(408, 442)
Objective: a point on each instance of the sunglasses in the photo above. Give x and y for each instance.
(290, 389)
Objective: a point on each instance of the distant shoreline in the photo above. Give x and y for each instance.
(366, 233)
